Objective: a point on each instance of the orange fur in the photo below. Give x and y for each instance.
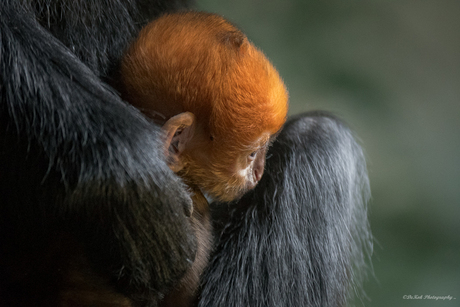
(201, 63)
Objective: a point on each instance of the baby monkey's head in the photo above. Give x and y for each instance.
(219, 99)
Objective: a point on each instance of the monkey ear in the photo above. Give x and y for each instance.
(179, 130)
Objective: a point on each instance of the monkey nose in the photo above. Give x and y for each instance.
(258, 172)
(259, 165)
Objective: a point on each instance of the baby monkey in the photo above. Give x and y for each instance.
(219, 101)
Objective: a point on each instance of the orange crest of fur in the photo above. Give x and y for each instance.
(201, 63)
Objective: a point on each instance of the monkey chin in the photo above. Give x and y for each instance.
(224, 192)
(217, 184)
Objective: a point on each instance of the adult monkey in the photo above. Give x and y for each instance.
(76, 162)
(301, 237)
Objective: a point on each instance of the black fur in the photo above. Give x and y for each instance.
(77, 161)
(301, 238)
(78, 167)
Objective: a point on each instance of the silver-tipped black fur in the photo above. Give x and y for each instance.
(78, 165)
(301, 238)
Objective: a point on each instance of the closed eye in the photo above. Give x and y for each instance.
(252, 156)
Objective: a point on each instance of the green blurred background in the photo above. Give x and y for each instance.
(391, 69)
